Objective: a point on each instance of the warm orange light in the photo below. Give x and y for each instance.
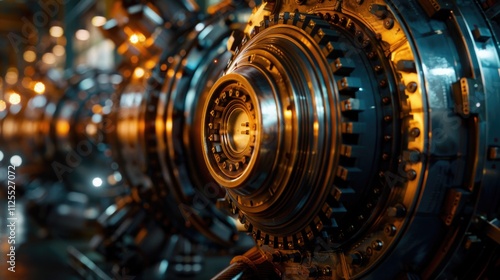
(39, 87)
(3, 105)
(56, 31)
(28, 72)
(150, 64)
(11, 76)
(58, 50)
(134, 39)
(29, 56)
(98, 21)
(139, 72)
(49, 58)
(62, 128)
(14, 98)
(26, 82)
(82, 34)
(96, 109)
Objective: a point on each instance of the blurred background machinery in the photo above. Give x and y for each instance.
(277, 140)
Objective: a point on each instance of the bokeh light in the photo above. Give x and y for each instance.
(39, 88)
(56, 31)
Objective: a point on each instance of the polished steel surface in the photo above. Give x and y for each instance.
(347, 139)
(372, 125)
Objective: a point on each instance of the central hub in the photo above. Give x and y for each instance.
(237, 134)
(231, 132)
(240, 121)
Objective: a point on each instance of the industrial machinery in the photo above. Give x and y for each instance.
(358, 140)
(349, 139)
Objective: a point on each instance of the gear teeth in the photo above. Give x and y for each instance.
(256, 234)
(325, 35)
(289, 243)
(326, 211)
(299, 239)
(274, 19)
(254, 31)
(336, 193)
(326, 222)
(346, 173)
(339, 210)
(353, 127)
(317, 225)
(264, 238)
(349, 85)
(343, 66)
(345, 195)
(306, 20)
(351, 104)
(273, 241)
(281, 243)
(330, 226)
(265, 23)
(283, 18)
(351, 151)
(309, 234)
(313, 26)
(331, 52)
(295, 18)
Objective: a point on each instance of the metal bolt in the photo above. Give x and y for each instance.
(326, 271)
(412, 87)
(389, 23)
(380, 11)
(390, 230)
(369, 251)
(415, 132)
(366, 45)
(396, 211)
(414, 156)
(411, 174)
(356, 258)
(377, 244)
